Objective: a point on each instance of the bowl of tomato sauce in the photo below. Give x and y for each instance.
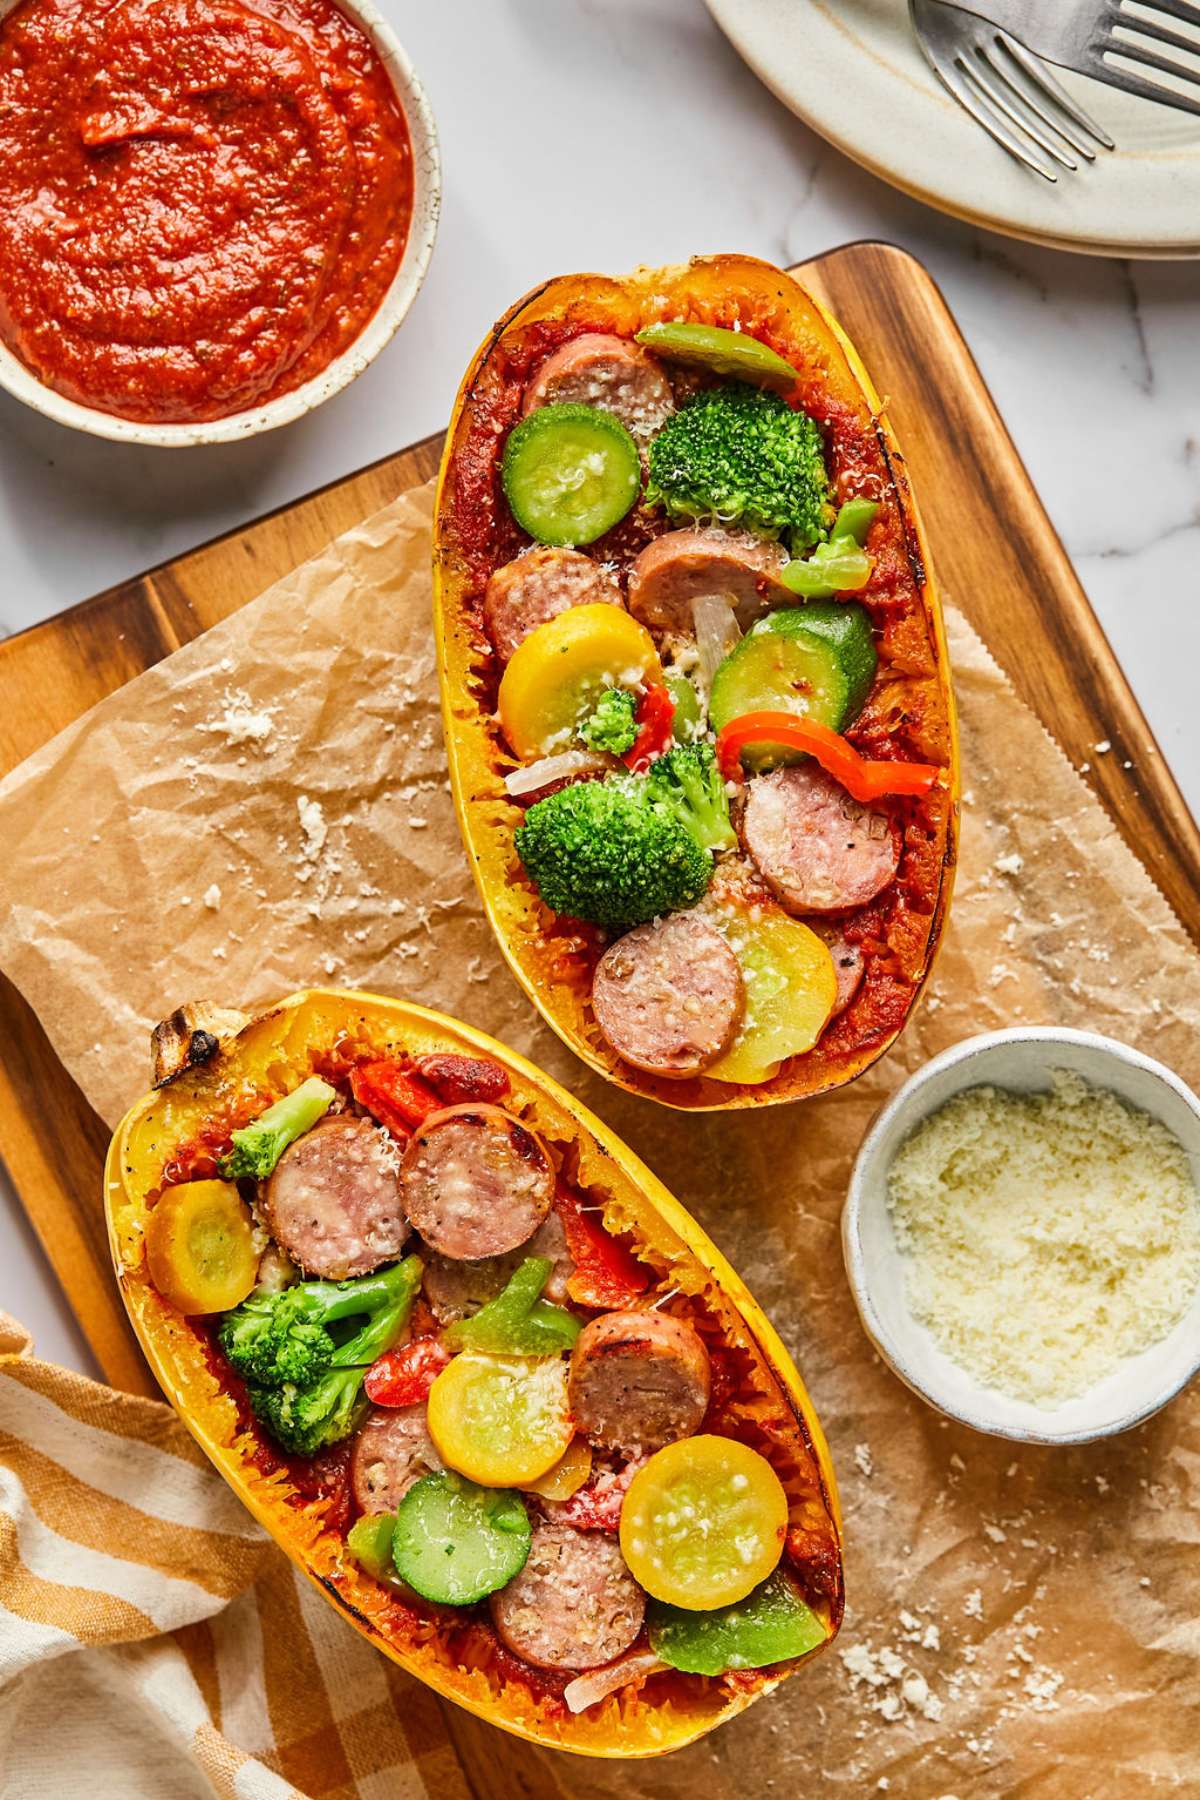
(213, 213)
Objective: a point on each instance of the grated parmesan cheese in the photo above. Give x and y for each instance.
(240, 722)
(1048, 1236)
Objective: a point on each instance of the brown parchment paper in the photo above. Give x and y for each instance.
(269, 808)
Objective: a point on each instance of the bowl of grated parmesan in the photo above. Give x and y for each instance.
(1022, 1234)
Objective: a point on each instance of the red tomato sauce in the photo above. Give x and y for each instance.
(202, 202)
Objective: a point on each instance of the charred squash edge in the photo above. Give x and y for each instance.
(458, 650)
(177, 1358)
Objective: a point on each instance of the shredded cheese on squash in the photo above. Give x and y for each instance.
(1048, 1236)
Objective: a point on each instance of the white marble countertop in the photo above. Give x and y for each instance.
(641, 138)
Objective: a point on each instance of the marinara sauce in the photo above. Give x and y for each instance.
(202, 202)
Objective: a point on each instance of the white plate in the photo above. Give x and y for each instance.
(852, 70)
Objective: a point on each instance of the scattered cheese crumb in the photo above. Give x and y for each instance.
(212, 897)
(893, 1688)
(387, 1151)
(313, 828)
(240, 722)
(1048, 1236)
(1103, 747)
(1012, 864)
(973, 1604)
(863, 1460)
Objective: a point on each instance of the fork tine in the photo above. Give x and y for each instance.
(1150, 59)
(1023, 113)
(1130, 83)
(1039, 73)
(1036, 97)
(954, 80)
(1164, 34)
(1187, 10)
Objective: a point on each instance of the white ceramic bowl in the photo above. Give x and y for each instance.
(1022, 1060)
(427, 191)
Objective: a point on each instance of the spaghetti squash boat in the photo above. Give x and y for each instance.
(694, 680)
(475, 1370)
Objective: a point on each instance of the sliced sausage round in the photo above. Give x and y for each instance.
(680, 566)
(475, 1182)
(333, 1202)
(669, 996)
(392, 1450)
(574, 1605)
(599, 370)
(849, 964)
(817, 849)
(455, 1290)
(639, 1380)
(538, 586)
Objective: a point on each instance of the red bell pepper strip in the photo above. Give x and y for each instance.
(605, 1275)
(654, 719)
(459, 1079)
(402, 1376)
(393, 1095)
(862, 778)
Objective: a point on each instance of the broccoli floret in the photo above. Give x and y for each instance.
(305, 1420)
(606, 852)
(257, 1147)
(304, 1385)
(268, 1341)
(688, 781)
(611, 726)
(742, 455)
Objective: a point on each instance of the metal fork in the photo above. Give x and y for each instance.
(1085, 35)
(1005, 89)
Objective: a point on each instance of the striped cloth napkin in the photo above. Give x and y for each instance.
(155, 1643)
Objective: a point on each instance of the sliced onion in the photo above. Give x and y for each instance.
(585, 1690)
(717, 631)
(550, 769)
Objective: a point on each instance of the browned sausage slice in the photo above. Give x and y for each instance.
(392, 1450)
(598, 370)
(456, 1289)
(638, 1380)
(574, 1605)
(816, 848)
(475, 1182)
(333, 1203)
(669, 996)
(682, 565)
(538, 586)
(849, 964)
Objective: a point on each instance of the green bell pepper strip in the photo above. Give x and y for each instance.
(841, 566)
(688, 721)
(772, 1625)
(719, 350)
(855, 519)
(518, 1322)
(369, 1542)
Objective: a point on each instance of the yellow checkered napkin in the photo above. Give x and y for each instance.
(154, 1642)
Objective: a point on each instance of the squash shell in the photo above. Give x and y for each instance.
(276, 1049)
(478, 760)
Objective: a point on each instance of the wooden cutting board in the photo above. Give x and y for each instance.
(996, 555)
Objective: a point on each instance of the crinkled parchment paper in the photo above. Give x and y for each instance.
(268, 808)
